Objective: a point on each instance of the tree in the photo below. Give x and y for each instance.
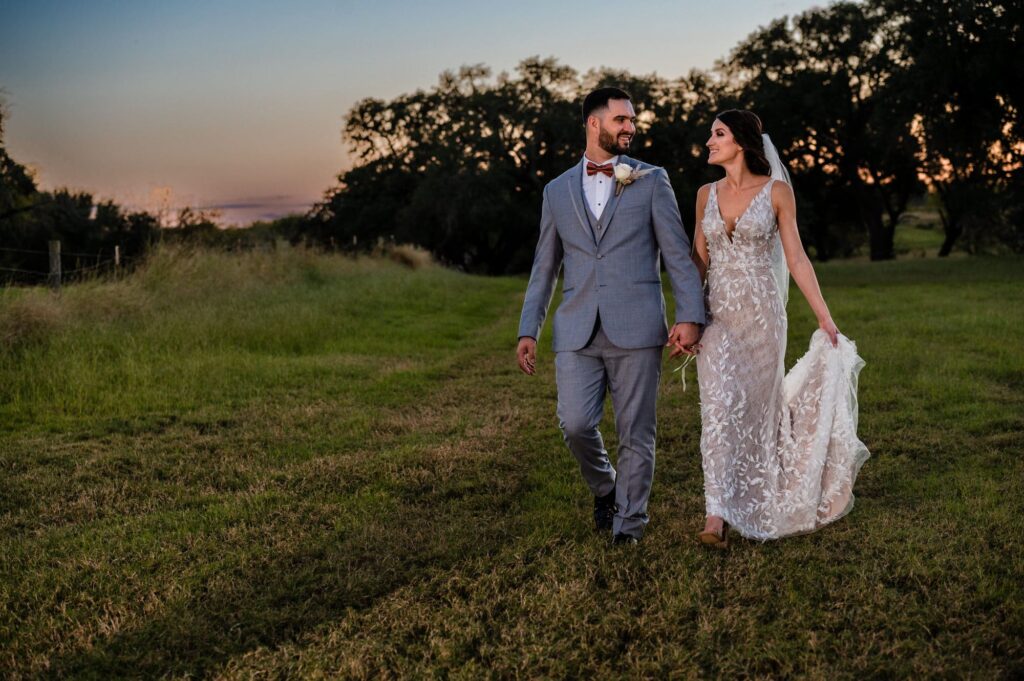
(966, 104)
(459, 169)
(17, 188)
(822, 86)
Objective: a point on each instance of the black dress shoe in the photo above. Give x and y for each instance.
(628, 539)
(604, 511)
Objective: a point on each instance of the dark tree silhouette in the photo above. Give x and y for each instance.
(17, 188)
(458, 169)
(957, 79)
(822, 86)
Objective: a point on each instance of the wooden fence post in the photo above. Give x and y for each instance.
(117, 257)
(54, 279)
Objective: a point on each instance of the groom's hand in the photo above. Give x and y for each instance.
(683, 339)
(526, 353)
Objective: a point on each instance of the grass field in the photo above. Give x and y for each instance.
(296, 465)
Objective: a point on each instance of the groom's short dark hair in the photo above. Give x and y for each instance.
(598, 99)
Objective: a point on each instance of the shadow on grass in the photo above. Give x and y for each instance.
(273, 597)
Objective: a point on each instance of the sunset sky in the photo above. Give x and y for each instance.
(238, 106)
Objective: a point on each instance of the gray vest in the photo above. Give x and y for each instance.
(596, 226)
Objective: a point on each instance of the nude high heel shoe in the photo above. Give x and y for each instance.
(714, 539)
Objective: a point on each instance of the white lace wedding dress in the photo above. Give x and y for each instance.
(780, 452)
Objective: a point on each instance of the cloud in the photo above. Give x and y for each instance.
(279, 200)
(250, 203)
(244, 210)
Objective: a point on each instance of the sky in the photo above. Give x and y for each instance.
(238, 106)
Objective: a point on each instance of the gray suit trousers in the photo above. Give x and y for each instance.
(632, 376)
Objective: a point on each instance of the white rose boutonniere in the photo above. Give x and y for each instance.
(627, 174)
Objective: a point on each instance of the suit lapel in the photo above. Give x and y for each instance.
(613, 202)
(576, 195)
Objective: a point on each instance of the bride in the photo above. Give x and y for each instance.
(780, 452)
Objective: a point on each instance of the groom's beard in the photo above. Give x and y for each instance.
(606, 141)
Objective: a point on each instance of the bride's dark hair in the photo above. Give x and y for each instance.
(746, 129)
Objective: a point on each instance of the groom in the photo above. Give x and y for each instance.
(607, 230)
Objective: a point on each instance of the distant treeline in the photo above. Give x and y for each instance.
(870, 104)
(90, 230)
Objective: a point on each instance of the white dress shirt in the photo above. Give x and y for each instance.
(597, 188)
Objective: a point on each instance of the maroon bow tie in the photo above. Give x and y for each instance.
(594, 169)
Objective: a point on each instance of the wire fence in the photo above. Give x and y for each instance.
(104, 261)
(63, 253)
(21, 271)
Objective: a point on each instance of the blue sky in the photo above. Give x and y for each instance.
(240, 104)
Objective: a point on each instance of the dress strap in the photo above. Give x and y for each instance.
(709, 205)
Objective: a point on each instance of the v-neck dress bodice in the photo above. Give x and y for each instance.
(753, 237)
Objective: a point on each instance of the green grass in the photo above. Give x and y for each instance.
(919, 233)
(297, 465)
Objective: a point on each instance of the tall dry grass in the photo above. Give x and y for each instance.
(173, 276)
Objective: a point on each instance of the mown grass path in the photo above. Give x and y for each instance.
(294, 465)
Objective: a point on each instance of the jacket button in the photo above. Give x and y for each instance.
(600, 256)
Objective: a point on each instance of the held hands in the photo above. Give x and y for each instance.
(829, 327)
(526, 354)
(683, 339)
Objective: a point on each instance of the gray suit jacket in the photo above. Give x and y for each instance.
(611, 265)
